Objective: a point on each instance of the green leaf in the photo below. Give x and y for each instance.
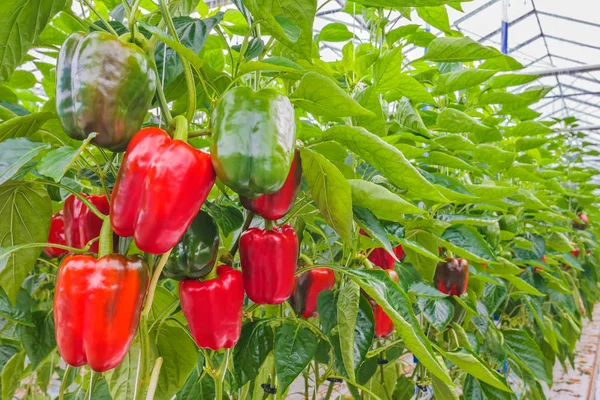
(468, 243)
(22, 22)
(406, 86)
(38, 340)
(528, 128)
(438, 312)
(19, 315)
(436, 17)
(24, 218)
(320, 95)
(526, 352)
(446, 160)
(521, 285)
(408, 117)
(426, 291)
(327, 308)
(179, 353)
(123, 379)
(458, 49)
(395, 303)
(17, 152)
(502, 63)
(387, 69)
(198, 384)
(21, 79)
(455, 142)
(383, 203)
(11, 375)
(472, 364)
(508, 80)
(422, 253)
(288, 21)
(385, 158)
(462, 79)
(334, 32)
(330, 191)
(256, 342)
(347, 311)
(368, 222)
(451, 120)
(23, 126)
(56, 163)
(295, 346)
(227, 217)
(369, 99)
(181, 50)
(559, 242)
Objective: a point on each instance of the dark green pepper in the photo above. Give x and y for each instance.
(103, 85)
(509, 223)
(253, 138)
(491, 233)
(194, 256)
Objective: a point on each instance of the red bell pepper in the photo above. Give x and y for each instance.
(575, 252)
(56, 236)
(275, 205)
(582, 222)
(381, 258)
(384, 325)
(213, 308)
(268, 258)
(81, 224)
(452, 276)
(97, 306)
(160, 188)
(307, 288)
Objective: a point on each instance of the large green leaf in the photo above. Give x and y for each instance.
(24, 218)
(408, 117)
(438, 312)
(320, 95)
(198, 385)
(387, 69)
(22, 21)
(17, 152)
(451, 120)
(385, 158)
(347, 312)
(526, 352)
(256, 342)
(457, 49)
(382, 202)
(11, 374)
(461, 79)
(465, 241)
(407, 86)
(370, 224)
(295, 346)
(330, 191)
(38, 340)
(436, 17)
(23, 126)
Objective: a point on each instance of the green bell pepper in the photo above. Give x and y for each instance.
(491, 233)
(253, 138)
(194, 256)
(103, 85)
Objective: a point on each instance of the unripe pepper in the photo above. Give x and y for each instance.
(252, 142)
(195, 254)
(509, 223)
(81, 224)
(97, 306)
(384, 325)
(452, 276)
(160, 188)
(276, 205)
(213, 308)
(56, 235)
(268, 259)
(307, 288)
(103, 85)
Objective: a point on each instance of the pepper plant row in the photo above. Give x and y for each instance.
(196, 204)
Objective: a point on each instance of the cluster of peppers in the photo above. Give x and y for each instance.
(106, 85)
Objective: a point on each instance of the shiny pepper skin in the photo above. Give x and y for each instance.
(384, 260)
(103, 85)
(195, 254)
(97, 306)
(81, 224)
(57, 236)
(213, 308)
(252, 141)
(307, 288)
(268, 259)
(276, 205)
(160, 188)
(384, 325)
(452, 276)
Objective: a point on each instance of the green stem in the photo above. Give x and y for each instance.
(200, 132)
(306, 259)
(247, 222)
(181, 128)
(155, 277)
(154, 378)
(268, 224)
(162, 100)
(220, 375)
(104, 21)
(132, 17)
(13, 249)
(144, 358)
(187, 71)
(329, 391)
(105, 247)
(76, 194)
(63, 384)
(90, 390)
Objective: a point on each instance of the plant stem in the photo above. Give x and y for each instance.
(200, 132)
(105, 22)
(10, 250)
(152, 287)
(247, 222)
(181, 128)
(63, 384)
(329, 391)
(154, 378)
(105, 247)
(132, 16)
(162, 100)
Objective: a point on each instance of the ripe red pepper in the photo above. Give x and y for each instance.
(384, 325)
(582, 223)
(81, 224)
(56, 236)
(97, 306)
(452, 276)
(161, 186)
(213, 308)
(268, 258)
(275, 205)
(307, 288)
(384, 260)
(575, 252)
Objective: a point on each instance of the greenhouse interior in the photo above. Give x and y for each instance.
(406, 209)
